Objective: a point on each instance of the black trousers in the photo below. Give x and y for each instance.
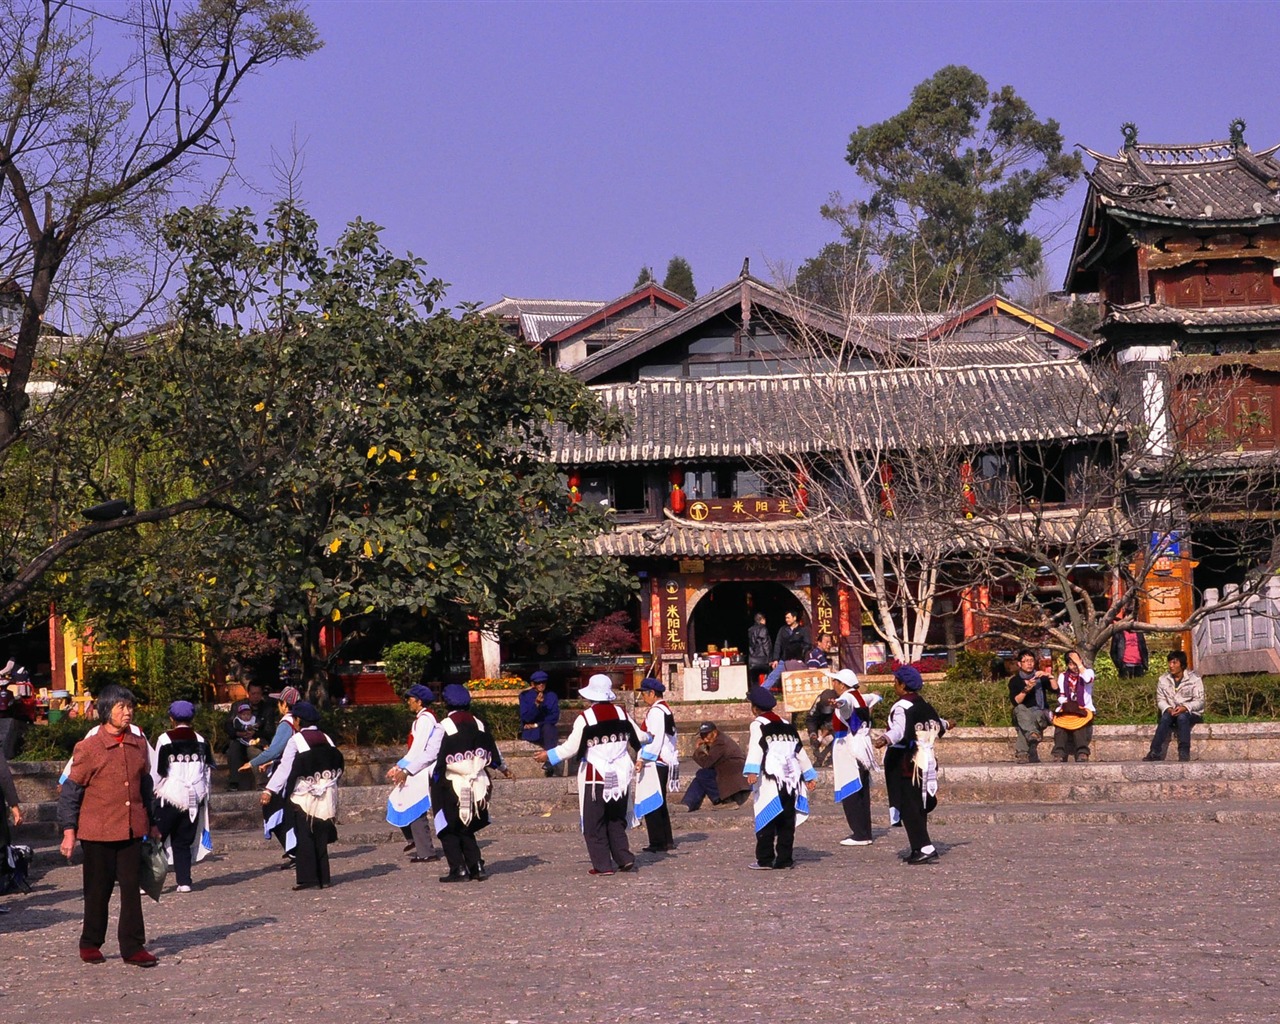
(776, 841)
(312, 836)
(658, 823)
(857, 808)
(460, 847)
(604, 828)
(105, 864)
(908, 798)
(238, 754)
(176, 826)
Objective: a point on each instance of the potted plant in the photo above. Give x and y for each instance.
(405, 664)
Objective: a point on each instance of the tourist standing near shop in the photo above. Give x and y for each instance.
(461, 751)
(106, 804)
(782, 775)
(603, 737)
(306, 781)
(791, 645)
(184, 766)
(910, 767)
(852, 755)
(657, 761)
(409, 804)
(759, 649)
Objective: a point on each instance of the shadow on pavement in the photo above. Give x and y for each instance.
(514, 864)
(170, 944)
(350, 851)
(375, 871)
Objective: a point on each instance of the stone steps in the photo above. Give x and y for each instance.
(1076, 791)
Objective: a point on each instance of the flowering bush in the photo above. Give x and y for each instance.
(609, 636)
(503, 683)
(930, 664)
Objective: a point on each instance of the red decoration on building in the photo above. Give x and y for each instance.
(677, 500)
(575, 483)
(802, 490)
(886, 489)
(966, 488)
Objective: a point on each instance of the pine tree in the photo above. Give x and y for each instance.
(643, 278)
(679, 278)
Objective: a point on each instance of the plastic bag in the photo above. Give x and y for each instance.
(152, 870)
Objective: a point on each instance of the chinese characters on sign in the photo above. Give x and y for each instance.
(743, 510)
(824, 614)
(672, 610)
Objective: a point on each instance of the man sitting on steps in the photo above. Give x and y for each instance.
(1180, 700)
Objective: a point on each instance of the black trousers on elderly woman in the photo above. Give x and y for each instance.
(312, 837)
(105, 864)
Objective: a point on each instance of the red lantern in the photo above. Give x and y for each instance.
(966, 488)
(802, 491)
(575, 494)
(676, 477)
(886, 489)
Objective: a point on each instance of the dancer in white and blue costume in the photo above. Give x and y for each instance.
(782, 777)
(852, 755)
(409, 804)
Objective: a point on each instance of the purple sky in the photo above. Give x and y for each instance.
(551, 149)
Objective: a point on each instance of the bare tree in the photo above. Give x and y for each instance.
(1081, 540)
(90, 149)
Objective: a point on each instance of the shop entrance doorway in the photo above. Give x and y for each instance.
(721, 617)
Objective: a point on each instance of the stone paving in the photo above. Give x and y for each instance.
(1018, 922)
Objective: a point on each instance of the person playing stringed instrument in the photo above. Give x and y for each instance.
(1073, 718)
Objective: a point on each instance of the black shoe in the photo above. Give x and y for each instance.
(454, 876)
(781, 866)
(1153, 757)
(920, 857)
(627, 867)
(479, 874)
(897, 824)
(313, 885)
(289, 865)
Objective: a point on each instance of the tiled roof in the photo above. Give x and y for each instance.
(742, 417)
(681, 538)
(1208, 183)
(966, 351)
(1192, 319)
(512, 308)
(536, 328)
(764, 298)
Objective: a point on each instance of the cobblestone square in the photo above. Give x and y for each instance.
(1018, 922)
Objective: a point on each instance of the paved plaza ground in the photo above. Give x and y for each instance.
(1039, 921)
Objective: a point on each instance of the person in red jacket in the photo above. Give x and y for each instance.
(106, 804)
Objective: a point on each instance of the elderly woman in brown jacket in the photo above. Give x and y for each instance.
(106, 804)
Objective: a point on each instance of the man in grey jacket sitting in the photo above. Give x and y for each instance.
(1180, 700)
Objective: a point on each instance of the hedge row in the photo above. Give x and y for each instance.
(967, 702)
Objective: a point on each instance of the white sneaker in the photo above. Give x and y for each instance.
(184, 888)
(855, 842)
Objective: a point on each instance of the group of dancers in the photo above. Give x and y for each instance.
(627, 767)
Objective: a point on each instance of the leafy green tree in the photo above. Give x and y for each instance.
(643, 278)
(361, 453)
(953, 180)
(679, 278)
(90, 150)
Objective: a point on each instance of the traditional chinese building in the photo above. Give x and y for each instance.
(711, 525)
(1182, 245)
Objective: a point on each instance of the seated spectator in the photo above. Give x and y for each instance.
(1180, 700)
(719, 777)
(540, 716)
(1073, 717)
(244, 733)
(1033, 695)
(818, 721)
